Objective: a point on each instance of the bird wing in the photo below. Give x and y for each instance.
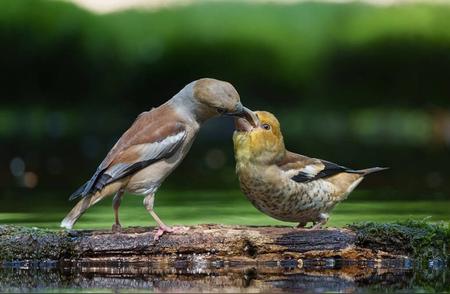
(152, 137)
(303, 169)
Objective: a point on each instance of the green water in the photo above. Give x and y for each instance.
(195, 207)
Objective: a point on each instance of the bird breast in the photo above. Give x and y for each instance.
(275, 194)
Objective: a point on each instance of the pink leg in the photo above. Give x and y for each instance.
(323, 219)
(116, 227)
(163, 228)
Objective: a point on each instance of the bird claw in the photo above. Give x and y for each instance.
(116, 228)
(301, 228)
(166, 229)
(317, 226)
(161, 231)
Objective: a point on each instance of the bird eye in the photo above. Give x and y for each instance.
(266, 127)
(221, 110)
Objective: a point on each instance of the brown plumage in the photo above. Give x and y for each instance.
(285, 185)
(154, 146)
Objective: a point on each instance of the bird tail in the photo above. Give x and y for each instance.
(371, 170)
(78, 192)
(87, 202)
(94, 184)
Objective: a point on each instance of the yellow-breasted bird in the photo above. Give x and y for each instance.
(285, 185)
(154, 146)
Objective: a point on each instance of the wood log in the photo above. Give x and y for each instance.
(209, 243)
(215, 256)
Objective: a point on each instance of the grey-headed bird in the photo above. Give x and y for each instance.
(154, 146)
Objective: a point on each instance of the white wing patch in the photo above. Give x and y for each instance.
(160, 148)
(148, 153)
(309, 171)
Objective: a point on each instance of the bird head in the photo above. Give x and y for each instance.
(214, 98)
(262, 143)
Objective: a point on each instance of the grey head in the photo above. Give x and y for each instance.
(208, 98)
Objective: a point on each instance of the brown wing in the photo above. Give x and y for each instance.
(150, 126)
(154, 135)
(301, 168)
(294, 161)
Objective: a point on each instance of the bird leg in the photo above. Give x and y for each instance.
(148, 203)
(323, 218)
(116, 227)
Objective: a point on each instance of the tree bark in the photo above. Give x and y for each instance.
(202, 243)
(211, 256)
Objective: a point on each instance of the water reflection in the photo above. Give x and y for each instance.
(317, 276)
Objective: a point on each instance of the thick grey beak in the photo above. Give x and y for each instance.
(242, 111)
(251, 117)
(239, 111)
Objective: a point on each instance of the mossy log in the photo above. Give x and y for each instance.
(236, 258)
(206, 244)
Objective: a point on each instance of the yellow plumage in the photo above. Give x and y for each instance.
(285, 185)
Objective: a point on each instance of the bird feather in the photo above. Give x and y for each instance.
(121, 162)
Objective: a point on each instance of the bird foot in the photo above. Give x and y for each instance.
(317, 226)
(301, 228)
(116, 228)
(166, 229)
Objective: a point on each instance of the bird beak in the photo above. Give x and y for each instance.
(251, 117)
(242, 125)
(244, 112)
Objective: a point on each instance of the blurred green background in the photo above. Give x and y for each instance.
(357, 84)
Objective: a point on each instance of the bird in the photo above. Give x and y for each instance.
(154, 145)
(285, 185)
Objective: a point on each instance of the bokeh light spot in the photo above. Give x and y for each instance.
(17, 166)
(30, 180)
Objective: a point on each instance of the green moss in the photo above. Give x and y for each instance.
(419, 239)
(22, 243)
